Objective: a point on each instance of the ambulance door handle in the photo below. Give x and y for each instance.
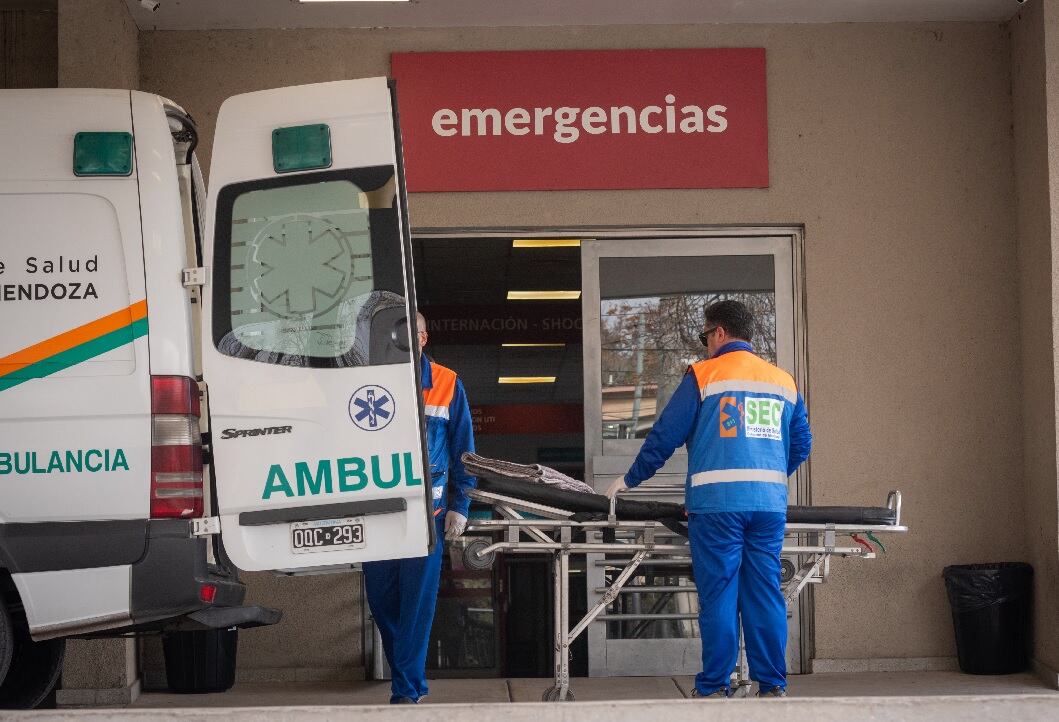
(323, 511)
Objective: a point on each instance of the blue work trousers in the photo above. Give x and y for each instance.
(402, 594)
(736, 558)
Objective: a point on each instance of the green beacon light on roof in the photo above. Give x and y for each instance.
(301, 147)
(103, 154)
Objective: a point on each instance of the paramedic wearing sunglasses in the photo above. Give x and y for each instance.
(746, 430)
(402, 593)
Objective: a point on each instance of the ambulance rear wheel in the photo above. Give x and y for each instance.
(7, 640)
(34, 671)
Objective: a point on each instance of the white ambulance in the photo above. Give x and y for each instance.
(193, 385)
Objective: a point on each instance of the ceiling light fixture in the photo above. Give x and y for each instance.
(543, 295)
(526, 380)
(546, 243)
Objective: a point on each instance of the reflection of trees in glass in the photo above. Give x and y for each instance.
(660, 334)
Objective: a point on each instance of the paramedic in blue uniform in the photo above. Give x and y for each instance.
(402, 593)
(746, 430)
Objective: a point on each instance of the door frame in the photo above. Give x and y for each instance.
(795, 235)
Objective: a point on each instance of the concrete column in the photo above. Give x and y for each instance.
(1035, 101)
(1043, 494)
(99, 672)
(98, 45)
(28, 47)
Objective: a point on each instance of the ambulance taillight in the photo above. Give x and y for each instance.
(176, 448)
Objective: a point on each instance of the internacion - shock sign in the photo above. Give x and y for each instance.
(583, 119)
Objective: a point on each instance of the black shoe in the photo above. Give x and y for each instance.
(773, 692)
(722, 693)
(403, 700)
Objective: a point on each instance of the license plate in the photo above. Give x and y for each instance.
(327, 535)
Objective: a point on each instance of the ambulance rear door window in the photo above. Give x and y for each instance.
(304, 264)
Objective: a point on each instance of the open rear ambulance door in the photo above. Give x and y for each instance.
(315, 412)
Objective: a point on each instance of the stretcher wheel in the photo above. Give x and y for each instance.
(786, 570)
(552, 695)
(471, 560)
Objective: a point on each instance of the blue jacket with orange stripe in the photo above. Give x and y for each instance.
(449, 434)
(746, 430)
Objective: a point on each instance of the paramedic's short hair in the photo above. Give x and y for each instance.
(421, 322)
(733, 317)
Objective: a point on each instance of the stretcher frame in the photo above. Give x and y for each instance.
(552, 530)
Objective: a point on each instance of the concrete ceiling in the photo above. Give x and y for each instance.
(243, 14)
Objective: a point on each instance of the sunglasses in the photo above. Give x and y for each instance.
(705, 335)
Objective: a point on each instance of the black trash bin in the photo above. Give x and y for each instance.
(200, 662)
(991, 614)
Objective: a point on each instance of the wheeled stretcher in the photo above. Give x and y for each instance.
(536, 518)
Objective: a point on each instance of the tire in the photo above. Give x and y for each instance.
(34, 671)
(7, 641)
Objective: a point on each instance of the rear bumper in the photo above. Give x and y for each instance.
(226, 618)
(166, 583)
(167, 571)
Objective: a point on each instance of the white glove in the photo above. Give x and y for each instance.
(615, 486)
(455, 523)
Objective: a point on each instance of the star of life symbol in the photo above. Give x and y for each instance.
(300, 265)
(371, 408)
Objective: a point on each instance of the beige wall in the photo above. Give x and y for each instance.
(98, 45)
(892, 145)
(28, 49)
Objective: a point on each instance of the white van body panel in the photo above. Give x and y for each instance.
(61, 434)
(312, 404)
(85, 599)
(164, 250)
(76, 533)
(44, 154)
(307, 405)
(357, 111)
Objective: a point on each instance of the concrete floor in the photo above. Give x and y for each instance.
(607, 689)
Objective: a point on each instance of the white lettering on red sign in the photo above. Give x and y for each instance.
(564, 124)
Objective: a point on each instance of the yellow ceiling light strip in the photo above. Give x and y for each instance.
(546, 243)
(533, 345)
(526, 380)
(543, 295)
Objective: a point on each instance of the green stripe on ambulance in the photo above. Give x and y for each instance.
(348, 474)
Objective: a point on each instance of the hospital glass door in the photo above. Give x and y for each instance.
(643, 300)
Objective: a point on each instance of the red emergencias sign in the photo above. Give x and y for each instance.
(583, 119)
